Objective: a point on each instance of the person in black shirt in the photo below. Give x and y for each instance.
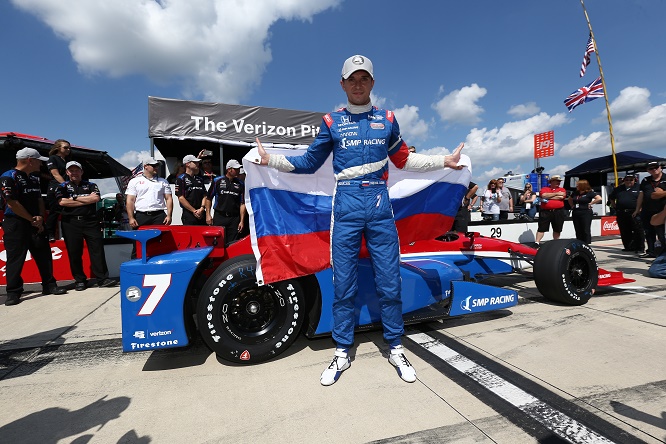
(623, 200)
(228, 192)
(78, 199)
(651, 200)
(461, 222)
(191, 193)
(56, 166)
(581, 202)
(23, 225)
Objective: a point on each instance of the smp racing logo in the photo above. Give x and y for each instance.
(470, 297)
(347, 143)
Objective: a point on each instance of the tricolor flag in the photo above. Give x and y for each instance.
(290, 214)
(588, 92)
(589, 49)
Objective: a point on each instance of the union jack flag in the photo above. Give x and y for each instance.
(589, 49)
(588, 92)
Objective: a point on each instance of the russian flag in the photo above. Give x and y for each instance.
(290, 214)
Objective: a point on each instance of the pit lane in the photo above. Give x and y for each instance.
(601, 365)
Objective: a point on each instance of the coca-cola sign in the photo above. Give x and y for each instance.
(609, 226)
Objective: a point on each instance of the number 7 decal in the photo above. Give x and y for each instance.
(161, 283)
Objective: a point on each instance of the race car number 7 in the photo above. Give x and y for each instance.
(161, 283)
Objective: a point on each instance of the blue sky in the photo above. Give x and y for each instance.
(485, 72)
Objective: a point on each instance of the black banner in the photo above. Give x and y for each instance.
(182, 119)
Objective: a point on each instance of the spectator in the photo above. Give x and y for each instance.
(178, 169)
(651, 200)
(551, 209)
(79, 199)
(581, 202)
(207, 170)
(230, 212)
(352, 218)
(506, 201)
(491, 199)
(191, 193)
(58, 156)
(23, 225)
(461, 222)
(246, 227)
(149, 199)
(527, 199)
(241, 176)
(658, 267)
(623, 200)
(120, 212)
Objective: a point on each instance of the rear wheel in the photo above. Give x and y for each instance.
(566, 271)
(243, 322)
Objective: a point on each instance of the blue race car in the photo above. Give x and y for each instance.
(186, 280)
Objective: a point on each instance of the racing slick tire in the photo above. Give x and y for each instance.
(566, 271)
(243, 322)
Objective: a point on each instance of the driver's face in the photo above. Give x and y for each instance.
(358, 87)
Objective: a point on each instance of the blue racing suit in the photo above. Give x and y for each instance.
(362, 145)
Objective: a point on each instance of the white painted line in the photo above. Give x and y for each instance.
(551, 418)
(649, 295)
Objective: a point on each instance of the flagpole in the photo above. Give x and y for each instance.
(603, 82)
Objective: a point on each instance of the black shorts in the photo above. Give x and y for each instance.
(551, 217)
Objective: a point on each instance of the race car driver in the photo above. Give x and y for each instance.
(363, 139)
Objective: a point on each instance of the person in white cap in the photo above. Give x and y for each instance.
(149, 200)
(23, 225)
(360, 163)
(551, 208)
(78, 199)
(228, 193)
(191, 192)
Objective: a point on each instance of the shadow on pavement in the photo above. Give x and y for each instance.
(646, 418)
(54, 424)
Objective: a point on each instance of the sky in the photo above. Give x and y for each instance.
(487, 73)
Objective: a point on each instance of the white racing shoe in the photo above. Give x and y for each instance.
(339, 364)
(398, 359)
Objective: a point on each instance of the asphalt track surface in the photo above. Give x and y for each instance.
(539, 372)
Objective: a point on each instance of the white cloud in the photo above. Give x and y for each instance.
(512, 142)
(460, 106)
(217, 49)
(132, 158)
(524, 110)
(587, 146)
(411, 126)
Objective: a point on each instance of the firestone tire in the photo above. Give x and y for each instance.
(566, 271)
(243, 322)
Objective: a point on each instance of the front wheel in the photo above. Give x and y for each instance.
(243, 322)
(566, 271)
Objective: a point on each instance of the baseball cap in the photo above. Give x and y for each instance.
(630, 174)
(653, 164)
(555, 177)
(190, 158)
(73, 163)
(233, 163)
(30, 153)
(150, 161)
(356, 63)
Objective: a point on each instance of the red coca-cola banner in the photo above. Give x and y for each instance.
(609, 226)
